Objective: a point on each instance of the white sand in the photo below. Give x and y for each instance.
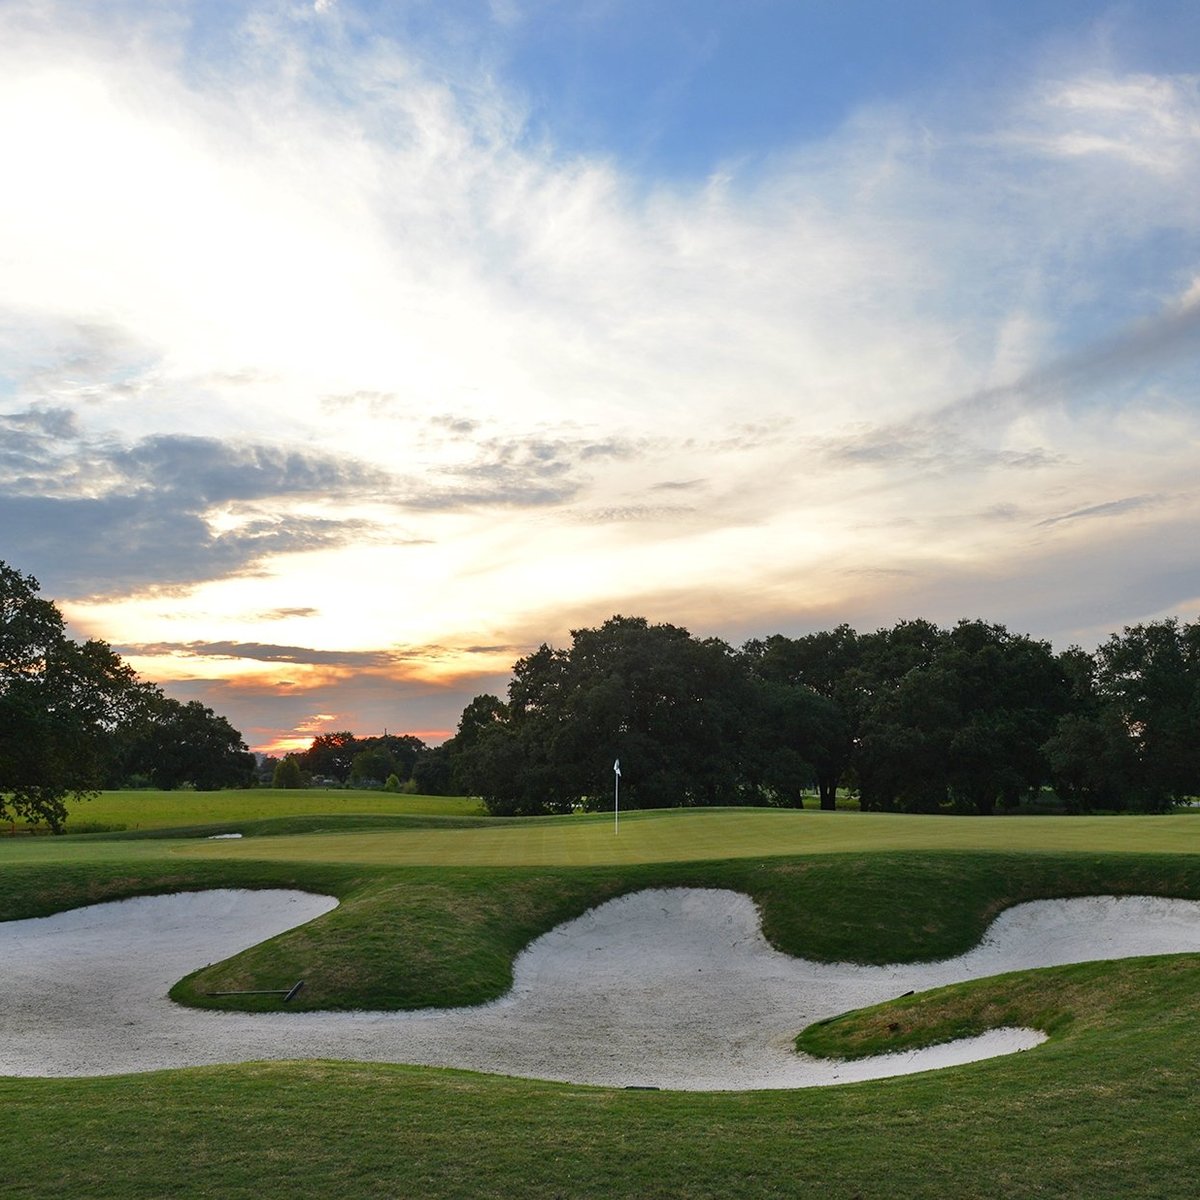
(671, 988)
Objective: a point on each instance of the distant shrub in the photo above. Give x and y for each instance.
(287, 774)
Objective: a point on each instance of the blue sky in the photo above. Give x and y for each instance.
(350, 350)
(675, 90)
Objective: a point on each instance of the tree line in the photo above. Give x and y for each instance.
(388, 761)
(913, 718)
(75, 718)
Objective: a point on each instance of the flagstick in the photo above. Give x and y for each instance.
(616, 803)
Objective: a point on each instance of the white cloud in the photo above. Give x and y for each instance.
(329, 216)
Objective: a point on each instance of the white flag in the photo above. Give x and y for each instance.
(617, 768)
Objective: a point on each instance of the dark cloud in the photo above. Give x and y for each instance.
(39, 422)
(459, 426)
(1153, 343)
(398, 659)
(91, 517)
(1000, 512)
(209, 471)
(264, 652)
(282, 614)
(115, 545)
(27, 439)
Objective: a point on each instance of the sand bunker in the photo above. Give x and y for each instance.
(669, 988)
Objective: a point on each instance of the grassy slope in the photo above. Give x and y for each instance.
(1103, 1110)
(155, 810)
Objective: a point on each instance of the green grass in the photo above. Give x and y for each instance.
(1077, 999)
(1104, 1109)
(700, 834)
(159, 810)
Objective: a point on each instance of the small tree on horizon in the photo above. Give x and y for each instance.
(287, 773)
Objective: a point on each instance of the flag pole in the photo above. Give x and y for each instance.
(617, 797)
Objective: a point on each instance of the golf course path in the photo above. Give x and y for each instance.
(673, 988)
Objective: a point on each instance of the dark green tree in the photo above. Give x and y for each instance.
(433, 771)
(820, 722)
(956, 720)
(1093, 761)
(330, 755)
(372, 766)
(176, 744)
(288, 773)
(1148, 694)
(403, 747)
(60, 703)
(1010, 691)
(671, 707)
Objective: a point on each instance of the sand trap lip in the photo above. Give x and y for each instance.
(672, 988)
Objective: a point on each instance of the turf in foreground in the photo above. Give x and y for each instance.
(1104, 1110)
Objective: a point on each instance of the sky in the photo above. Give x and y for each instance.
(350, 349)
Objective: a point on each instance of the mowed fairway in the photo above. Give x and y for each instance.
(709, 834)
(163, 810)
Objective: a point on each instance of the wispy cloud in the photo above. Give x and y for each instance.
(317, 325)
(285, 614)
(1147, 121)
(1110, 508)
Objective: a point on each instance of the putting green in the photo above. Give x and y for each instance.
(707, 834)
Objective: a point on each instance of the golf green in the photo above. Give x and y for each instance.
(710, 834)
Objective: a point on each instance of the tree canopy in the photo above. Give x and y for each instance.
(361, 761)
(173, 744)
(74, 717)
(916, 718)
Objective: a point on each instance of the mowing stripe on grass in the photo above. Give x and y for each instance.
(706, 834)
